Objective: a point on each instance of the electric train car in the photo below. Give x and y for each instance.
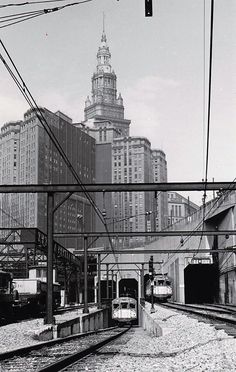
(124, 310)
(161, 288)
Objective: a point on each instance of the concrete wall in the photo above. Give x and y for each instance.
(82, 324)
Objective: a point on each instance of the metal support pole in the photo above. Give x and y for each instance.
(142, 285)
(112, 284)
(99, 282)
(117, 287)
(77, 285)
(152, 307)
(49, 315)
(85, 310)
(107, 265)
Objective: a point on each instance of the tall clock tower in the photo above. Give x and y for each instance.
(105, 108)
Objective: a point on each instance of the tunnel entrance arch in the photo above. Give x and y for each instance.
(128, 287)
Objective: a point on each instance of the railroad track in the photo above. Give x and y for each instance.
(56, 355)
(219, 316)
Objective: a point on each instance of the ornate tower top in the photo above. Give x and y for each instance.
(104, 106)
(103, 54)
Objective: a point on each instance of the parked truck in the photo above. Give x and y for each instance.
(32, 295)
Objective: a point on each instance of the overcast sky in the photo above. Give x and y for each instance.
(159, 63)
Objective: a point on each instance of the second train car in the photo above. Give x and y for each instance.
(124, 310)
(162, 289)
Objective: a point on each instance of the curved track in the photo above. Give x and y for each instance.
(221, 317)
(58, 354)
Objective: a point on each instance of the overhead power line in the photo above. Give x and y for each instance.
(11, 19)
(31, 3)
(209, 95)
(32, 103)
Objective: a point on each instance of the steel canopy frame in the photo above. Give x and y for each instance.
(154, 251)
(119, 187)
(75, 188)
(145, 233)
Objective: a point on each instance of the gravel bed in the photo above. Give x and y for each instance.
(189, 346)
(24, 333)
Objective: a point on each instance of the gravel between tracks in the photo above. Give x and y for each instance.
(190, 345)
(16, 335)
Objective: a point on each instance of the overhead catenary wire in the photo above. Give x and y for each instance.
(208, 106)
(33, 3)
(30, 100)
(218, 201)
(24, 90)
(7, 19)
(209, 95)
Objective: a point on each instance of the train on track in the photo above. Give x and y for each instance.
(162, 289)
(124, 310)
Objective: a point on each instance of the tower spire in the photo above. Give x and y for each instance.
(104, 39)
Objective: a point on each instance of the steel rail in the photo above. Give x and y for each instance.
(25, 350)
(65, 362)
(204, 311)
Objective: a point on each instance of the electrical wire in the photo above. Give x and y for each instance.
(31, 3)
(22, 20)
(209, 96)
(36, 13)
(208, 108)
(204, 81)
(218, 201)
(30, 100)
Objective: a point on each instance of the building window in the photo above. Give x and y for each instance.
(179, 210)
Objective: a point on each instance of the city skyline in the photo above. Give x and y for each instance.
(159, 66)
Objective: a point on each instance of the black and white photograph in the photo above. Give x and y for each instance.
(118, 185)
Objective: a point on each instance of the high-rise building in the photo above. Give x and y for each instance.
(159, 166)
(9, 172)
(121, 158)
(28, 156)
(132, 163)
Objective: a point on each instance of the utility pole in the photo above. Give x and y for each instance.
(85, 310)
(151, 276)
(50, 222)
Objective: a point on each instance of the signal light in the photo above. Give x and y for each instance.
(151, 270)
(148, 8)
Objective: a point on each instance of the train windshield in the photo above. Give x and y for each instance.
(161, 282)
(115, 306)
(132, 306)
(124, 305)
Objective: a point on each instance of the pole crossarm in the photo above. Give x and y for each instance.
(154, 251)
(119, 187)
(149, 233)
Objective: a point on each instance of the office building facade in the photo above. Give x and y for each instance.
(28, 156)
(121, 158)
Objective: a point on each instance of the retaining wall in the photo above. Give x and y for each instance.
(81, 324)
(148, 323)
